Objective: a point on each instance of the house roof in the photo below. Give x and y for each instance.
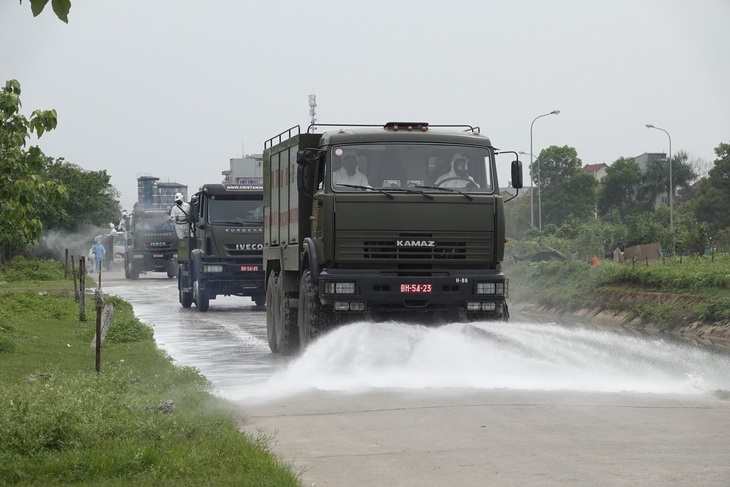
(594, 167)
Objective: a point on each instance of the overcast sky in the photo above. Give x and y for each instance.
(176, 88)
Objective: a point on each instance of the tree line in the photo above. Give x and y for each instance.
(39, 193)
(629, 205)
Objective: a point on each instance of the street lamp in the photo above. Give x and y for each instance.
(532, 213)
(671, 186)
(532, 160)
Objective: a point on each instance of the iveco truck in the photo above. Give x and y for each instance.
(222, 256)
(151, 244)
(396, 221)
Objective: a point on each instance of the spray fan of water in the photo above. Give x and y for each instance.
(366, 356)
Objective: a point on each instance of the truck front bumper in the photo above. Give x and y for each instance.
(362, 290)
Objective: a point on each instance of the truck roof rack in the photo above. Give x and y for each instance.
(394, 126)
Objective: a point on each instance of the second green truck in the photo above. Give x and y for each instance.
(222, 256)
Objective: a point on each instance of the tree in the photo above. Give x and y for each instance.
(23, 187)
(656, 178)
(713, 194)
(620, 187)
(91, 199)
(60, 8)
(555, 165)
(565, 189)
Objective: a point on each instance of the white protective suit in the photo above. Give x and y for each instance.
(455, 183)
(179, 214)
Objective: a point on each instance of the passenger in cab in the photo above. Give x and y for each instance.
(349, 173)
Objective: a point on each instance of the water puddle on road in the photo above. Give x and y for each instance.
(524, 356)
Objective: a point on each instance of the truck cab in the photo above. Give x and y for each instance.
(223, 254)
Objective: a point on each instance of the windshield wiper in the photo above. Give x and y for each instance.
(451, 190)
(410, 191)
(367, 188)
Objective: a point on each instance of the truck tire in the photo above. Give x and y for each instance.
(202, 300)
(133, 271)
(272, 295)
(287, 328)
(127, 270)
(186, 297)
(313, 316)
(259, 300)
(282, 328)
(171, 270)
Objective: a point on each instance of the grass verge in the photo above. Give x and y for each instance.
(142, 421)
(701, 285)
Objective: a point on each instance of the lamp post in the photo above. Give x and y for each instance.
(532, 206)
(671, 186)
(532, 160)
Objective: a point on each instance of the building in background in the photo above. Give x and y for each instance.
(245, 170)
(598, 171)
(152, 193)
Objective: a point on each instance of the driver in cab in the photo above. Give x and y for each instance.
(458, 176)
(349, 173)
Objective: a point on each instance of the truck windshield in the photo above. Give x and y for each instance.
(235, 211)
(403, 165)
(153, 223)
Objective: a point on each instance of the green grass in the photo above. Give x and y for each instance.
(568, 286)
(61, 424)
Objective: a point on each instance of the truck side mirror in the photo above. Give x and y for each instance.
(303, 157)
(517, 174)
(304, 178)
(194, 210)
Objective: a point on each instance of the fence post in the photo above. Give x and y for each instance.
(65, 266)
(82, 288)
(99, 303)
(73, 273)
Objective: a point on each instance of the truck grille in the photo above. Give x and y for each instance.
(413, 247)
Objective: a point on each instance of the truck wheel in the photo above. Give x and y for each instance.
(133, 271)
(127, 271)
(186, 297)
(202, 301)
(313, 317)
(287, 328)
(171, 270)
(272, 295)
(259, 300)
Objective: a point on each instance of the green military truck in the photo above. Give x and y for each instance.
(223, 255)
(399, 221)
(151, 244)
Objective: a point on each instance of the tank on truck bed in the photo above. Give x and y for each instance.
(397, 221)
(223, 254)
(151, 243)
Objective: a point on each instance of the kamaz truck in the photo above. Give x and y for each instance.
(151, 244)
(399, 221)
(223, 255)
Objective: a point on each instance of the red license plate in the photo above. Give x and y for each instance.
(249, 268)
(416, 288)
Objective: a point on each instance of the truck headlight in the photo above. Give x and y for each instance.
(339, 288)
(490, 287)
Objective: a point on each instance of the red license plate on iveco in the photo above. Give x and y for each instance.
(249, 268)
(416, 288)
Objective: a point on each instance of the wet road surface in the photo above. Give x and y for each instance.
(475, 404)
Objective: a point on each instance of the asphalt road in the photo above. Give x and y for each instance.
(393, 405)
